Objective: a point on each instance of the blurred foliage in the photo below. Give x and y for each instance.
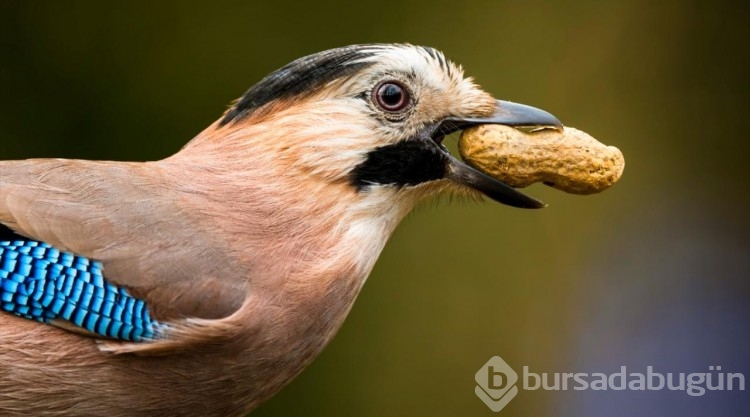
(667, 82)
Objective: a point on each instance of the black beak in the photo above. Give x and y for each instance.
(506, 113)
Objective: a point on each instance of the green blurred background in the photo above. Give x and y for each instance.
(652, 272)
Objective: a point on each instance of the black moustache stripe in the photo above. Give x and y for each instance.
(409, 162)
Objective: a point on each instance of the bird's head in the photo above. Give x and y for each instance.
(369, 120)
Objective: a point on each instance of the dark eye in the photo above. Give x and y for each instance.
(391, 96)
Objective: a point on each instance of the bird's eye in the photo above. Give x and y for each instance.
(391, 96)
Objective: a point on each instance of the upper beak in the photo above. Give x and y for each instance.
(506, 113)
(509, 114)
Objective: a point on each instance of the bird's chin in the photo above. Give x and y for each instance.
(506, 113)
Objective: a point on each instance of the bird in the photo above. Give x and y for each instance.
(203, 283)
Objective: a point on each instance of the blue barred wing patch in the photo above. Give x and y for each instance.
(39, 282)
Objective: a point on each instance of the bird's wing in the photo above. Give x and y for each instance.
(127, 217)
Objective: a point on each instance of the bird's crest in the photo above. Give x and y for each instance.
(308, 74)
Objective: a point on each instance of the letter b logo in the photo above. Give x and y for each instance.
(496, 383)
(492, 378)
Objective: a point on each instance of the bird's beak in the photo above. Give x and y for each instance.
(506, 113)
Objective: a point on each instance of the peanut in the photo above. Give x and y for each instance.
(571, 161)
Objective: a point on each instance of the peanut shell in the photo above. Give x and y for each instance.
(571, 160)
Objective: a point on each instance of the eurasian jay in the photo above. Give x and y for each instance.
(201, 284)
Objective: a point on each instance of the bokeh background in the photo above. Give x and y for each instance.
(655, 271)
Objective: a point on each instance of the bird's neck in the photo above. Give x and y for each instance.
(307, 247)
(270, 194)
(308, 243)
(305, 243)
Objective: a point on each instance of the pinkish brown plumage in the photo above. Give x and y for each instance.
(251, 243)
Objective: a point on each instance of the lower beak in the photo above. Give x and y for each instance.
(506, 113)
